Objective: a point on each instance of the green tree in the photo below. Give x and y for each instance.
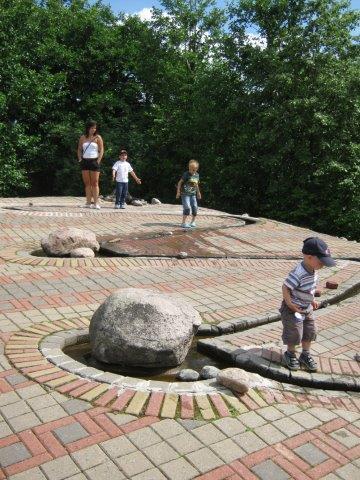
(302, 109)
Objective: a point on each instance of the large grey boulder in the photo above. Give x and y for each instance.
(235, 379)
(64, 240)
(138, 327)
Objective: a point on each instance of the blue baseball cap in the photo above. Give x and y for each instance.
(316, 246)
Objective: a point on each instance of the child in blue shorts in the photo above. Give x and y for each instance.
(188, 189)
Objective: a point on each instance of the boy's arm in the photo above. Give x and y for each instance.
(198, 193)
(137, 179)
(287, 299)
(180, 182)
(113, 173)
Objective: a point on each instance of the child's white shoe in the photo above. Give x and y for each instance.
(193, 225)
(185, 225)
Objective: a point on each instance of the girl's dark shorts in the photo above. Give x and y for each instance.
(297, 330)
(90, 164)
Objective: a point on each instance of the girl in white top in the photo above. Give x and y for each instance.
(90, 153)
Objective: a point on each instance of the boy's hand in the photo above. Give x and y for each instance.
(138, 181)
(199, 196)
(178, 195)
(295, 308)
(315, 305)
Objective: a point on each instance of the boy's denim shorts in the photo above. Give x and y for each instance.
(296, 330)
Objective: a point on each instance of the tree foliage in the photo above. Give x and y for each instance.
(265, 95)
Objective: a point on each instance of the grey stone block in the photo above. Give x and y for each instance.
(71, 433)
(14, 453)
(269, 469)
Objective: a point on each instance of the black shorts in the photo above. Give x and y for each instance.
(90, 164)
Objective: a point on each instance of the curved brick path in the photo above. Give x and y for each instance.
(55, 426)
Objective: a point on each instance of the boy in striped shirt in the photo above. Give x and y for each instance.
(298, 303)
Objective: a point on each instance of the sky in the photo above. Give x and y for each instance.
(143, 6)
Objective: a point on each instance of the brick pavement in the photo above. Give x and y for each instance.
(54, 428)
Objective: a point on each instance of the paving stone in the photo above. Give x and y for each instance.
(345, 437)
(179, 469)
(41, 401)
(105, 471)
(5, 430)
(16, 379)
(229, 426)
(288, 426)
(311, 454)
(322, 414)
(15, 409)
(17, 452)
(89, 457)
(270, 413)
(251, 419)
(153, 474)
(60, 468)
(306, 420)
(185, 443)
(204, 460)
(32, 474)
(117, 447)
(288, 409)
(121, 418)
(348, 472)
(191, 424)
(227, 450)
(249, 442)
(75, 406)
(269, 469)
(347, 415)
(160, 453)
(208, 434)
(23, 422)
(144, 437)
(70, 433)
(269, 434)
(8, 398)
(50, 414)
(168, 428)
(133, 463)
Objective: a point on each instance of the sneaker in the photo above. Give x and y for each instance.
(97, 206)
(122, 206)
(192, 225)
(87, 205)
(185, 225)
(92, 205)
(117, 206)
(291, 361)
(308, 362)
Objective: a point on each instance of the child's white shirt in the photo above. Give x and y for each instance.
(122, 169)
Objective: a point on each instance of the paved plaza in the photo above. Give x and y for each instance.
(61, 420)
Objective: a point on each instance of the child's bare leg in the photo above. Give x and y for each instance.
(291, 348)
(184, 218)
(306, 345)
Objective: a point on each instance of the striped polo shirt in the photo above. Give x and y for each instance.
(302, 284)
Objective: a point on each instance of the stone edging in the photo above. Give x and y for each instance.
(269, 365)
(52, 348)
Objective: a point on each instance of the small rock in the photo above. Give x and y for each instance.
(188, 375)
(357, 357)
(144, 202)
(245, 215)
(234, 378)
(155, 201)
(209, 371)
(137, 203)
(182, 255)
(332, 285)
(31, 204)
(82, 253)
